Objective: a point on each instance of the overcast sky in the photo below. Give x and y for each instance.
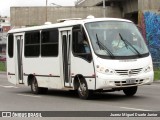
(6, 4)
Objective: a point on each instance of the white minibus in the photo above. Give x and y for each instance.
(86, 55)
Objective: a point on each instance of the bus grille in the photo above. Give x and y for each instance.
(129, 72)
(124, 83)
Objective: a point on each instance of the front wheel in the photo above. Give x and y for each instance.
(130, 91)
(83, 91)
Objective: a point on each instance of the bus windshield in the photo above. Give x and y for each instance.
(116, 39)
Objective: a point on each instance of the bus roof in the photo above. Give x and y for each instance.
(65, 24)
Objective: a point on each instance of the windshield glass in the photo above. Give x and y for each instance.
(112, 39)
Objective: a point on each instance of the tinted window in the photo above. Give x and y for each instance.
(49, 43)
(10, 45)
(81, 46)
(32, 44)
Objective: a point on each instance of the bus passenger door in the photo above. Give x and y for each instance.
(18, 57)
(66, 57)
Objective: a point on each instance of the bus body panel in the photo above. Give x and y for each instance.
(12, 63)
(125, 63)
(46, 70)
(99, 73)
(11, 70)
(120, 72)
(84, 68)
(107, 82)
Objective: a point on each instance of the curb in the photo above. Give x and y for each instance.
(156, 81)
(3, 73)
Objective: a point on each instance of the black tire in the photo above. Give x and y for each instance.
(34, 86)
(37, 90)
(83, 91)
(130, 91)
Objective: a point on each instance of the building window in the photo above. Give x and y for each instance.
(32, 44)
(10, 45)
(49, 45)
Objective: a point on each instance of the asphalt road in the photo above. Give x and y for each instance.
(20, 98)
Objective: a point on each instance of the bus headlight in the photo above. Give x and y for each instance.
(104, 70)
(148, 68)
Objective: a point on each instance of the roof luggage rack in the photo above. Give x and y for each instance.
(63, 20)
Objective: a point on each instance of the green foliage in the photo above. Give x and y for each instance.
(2, 66)
(157, 74)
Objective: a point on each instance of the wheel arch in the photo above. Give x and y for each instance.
(29, 79)
(76, 82)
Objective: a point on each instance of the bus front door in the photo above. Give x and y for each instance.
(18, 57)
(66, 57)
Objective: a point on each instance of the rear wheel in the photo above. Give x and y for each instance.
(35, 89)
(34, 86)
(130, 91)
(83, 91)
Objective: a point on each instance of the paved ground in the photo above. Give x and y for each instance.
(19, 98)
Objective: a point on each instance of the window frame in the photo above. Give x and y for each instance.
(12, 54)
(50, 43)
(81, 29)
(35, 44)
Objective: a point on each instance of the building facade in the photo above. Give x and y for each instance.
(145, 13)
(149, 21)
(4, 28)
(29, 16)
(32, 16)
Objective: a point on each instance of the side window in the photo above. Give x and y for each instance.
(32, 44)
(49, 45)
(10, 45)
(81, 46)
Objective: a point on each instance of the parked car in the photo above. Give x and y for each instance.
(2, 58)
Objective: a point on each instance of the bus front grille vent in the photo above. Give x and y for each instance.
(129, 72)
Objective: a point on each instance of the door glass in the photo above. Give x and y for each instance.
(80, 45)
(19, 58)
(65, 59)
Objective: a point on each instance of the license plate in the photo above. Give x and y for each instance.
(130, 81)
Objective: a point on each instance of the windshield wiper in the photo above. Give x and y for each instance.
(128, 43)
(101, 46)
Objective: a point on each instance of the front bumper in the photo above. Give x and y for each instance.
(108, 82)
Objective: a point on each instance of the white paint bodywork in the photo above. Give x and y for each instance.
(52, 66)
(105, 81)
